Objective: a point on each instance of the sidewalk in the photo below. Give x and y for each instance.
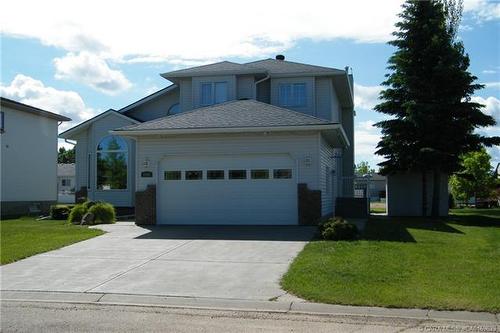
(281, 306)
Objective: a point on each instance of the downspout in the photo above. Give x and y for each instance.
(260, 81)
(71, 143)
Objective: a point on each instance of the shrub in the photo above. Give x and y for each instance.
(59, 212)
(76, 214)
(338, 229)
(103, 212)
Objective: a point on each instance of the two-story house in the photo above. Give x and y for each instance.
(266, 142)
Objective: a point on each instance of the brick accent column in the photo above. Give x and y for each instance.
(81, 195)
(145, 206)
(309, 205)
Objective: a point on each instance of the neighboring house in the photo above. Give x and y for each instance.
(370, 186)
(28, 158)
(66, 182)
(377, 187)
(266, 142)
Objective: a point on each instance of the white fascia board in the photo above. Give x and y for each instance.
(324, 127)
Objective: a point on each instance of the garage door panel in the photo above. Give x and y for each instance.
(228, 201)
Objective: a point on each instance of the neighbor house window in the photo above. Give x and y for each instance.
(174, 109)
(112, 161)
(66, 182)
(215, 174)
(194, 175)
(282, 173)
(2, 121)
(237, 174)
(292, 94)
(213, 93)
(260, 174)
(172, 175)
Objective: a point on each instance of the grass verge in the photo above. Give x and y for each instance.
(411, 263)
(24, 237)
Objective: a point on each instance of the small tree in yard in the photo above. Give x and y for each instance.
(476, 177)
(363, 168)
(428, 95)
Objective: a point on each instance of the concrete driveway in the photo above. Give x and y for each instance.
(231, 262)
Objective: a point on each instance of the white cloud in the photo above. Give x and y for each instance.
(152, 31)
(366, 97)
(494, 85)
(492, 106)
(91, 70)
(483, 10)
(33, 92)
(489, 71)
(365, 142)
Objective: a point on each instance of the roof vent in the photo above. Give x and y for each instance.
(280, 57)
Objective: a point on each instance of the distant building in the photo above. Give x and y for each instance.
(66, 182)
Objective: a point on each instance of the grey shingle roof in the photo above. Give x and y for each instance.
(234, 114)
(273, 66)
(216, 68)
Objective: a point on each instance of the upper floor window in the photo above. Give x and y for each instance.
(174, 109)
(112, 161)
(292, 94)
(213, 93)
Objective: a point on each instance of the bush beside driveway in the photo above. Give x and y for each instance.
(412, 263)
(24, 237)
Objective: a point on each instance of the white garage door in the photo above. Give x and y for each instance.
(241, 189)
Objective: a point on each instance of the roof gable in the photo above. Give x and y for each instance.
(72, 131)
(148, 98)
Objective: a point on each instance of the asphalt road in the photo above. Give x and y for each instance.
(64, 317)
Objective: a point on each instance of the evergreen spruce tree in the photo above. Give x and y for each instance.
(428, 96)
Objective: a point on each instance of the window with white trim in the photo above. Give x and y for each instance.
(293, 94)
(112, 162)
(213, 93)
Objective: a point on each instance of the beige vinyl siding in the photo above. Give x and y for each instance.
(155, 108)
(264, 91)
(326, 182)
(299, 146)
(335, 108)
(186, 94)
(324, 90)
(81, 160)
(231, 87)
(245, 87)
(310, 107)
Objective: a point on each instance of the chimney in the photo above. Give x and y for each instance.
(280, 57)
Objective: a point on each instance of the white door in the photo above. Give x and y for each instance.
(237, 189)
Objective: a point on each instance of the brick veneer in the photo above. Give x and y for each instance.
(145, 206)
(309, 205)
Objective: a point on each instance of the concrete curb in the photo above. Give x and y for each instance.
(291, 307)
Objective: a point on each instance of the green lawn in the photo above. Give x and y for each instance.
(415, 263)
(24, 237)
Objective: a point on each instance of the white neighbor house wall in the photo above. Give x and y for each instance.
(299, 146)
(28, 157)
(86, 168)
(404, 195)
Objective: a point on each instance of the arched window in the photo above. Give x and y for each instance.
(112, 161)
(174, 109)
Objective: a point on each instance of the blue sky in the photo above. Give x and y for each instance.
(79, 63)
